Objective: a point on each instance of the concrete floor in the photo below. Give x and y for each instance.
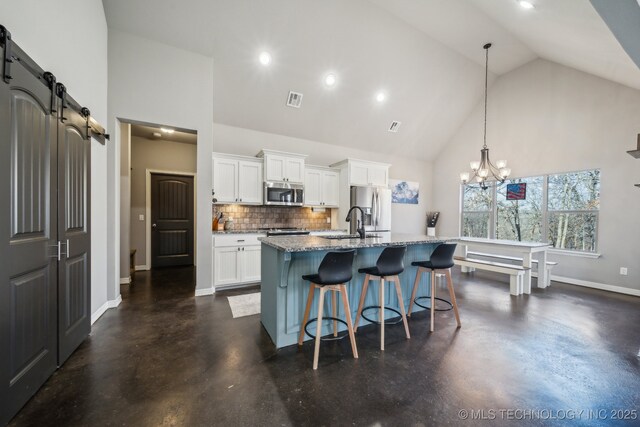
(166, 358)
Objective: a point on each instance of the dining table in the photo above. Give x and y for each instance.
(522, 249)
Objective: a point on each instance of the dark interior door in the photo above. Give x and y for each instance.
(171, 220)
(28, 235)
(74, 272)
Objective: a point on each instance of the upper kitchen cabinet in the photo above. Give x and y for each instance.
(237, 179)
(362, 172)
(321, 186)
(281, 166)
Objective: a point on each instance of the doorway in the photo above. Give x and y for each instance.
(172, 222)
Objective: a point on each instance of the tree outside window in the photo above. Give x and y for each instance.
(574, 201)
(561, 209)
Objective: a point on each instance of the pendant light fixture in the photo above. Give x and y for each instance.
(484, 172)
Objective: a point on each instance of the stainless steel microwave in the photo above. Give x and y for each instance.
(283, 194)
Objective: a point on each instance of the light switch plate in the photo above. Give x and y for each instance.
(141, 217)
(623, 271)
(328, 220)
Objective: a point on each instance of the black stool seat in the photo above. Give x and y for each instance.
(433, 265)
(375, 271)
(315, 278)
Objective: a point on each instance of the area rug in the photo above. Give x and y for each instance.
(245, 305)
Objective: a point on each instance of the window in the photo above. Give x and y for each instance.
(521, 219)
(476, 212)
(561, 209)
(574, 200)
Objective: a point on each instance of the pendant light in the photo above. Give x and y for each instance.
(484, 172)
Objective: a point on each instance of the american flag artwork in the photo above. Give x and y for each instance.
(517, 191)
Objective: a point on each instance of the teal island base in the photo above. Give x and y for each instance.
(284, 293)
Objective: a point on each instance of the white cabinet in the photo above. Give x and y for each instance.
(363, 172)
(368, 174)
(280, 166)
(237, 179)
(236, 259)
(321, 187)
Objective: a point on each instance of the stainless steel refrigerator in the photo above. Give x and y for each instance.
(376, 204)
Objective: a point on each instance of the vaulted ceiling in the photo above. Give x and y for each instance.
(425, 55)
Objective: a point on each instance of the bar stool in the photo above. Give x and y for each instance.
(388, 266)
(441, 261)
(334, 271)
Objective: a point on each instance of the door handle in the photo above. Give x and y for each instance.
(68, 248)
(58, 254)
(154, 225)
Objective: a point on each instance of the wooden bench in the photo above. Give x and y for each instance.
(515, 272)
(549, 265)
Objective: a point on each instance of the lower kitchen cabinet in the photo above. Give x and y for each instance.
(236, 259)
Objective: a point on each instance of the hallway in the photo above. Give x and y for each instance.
(166, 358)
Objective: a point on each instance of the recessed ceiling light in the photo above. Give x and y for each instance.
(380, 96)
(525, 4)
(265, 58)
(330, 79)
(169, 131)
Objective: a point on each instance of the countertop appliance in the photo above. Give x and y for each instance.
(285, 231)
(376, 205)
(283, 194)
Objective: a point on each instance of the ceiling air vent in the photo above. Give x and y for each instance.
(294, 99)
(394, 126)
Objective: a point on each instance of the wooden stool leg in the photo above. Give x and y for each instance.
(415, 289)
(334, 304)
(401, 304)
(318, 329)
(433, 298)
(452, 294)
(307, 309)
(347, 315)
(363, 295)
(381, 314)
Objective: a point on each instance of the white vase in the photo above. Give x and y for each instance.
(431, 231)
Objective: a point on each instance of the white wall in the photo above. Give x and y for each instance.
(155, 83)
(405, 218)
(73, 46)
(545, 118)
(156, 154)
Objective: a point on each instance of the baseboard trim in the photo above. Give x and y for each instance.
(104, 307)
(142, 267)
(99, 312)
(125, 280)
(596, 285)
(203, 292)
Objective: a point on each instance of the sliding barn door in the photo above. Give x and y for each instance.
(74, 273)
(28, 237)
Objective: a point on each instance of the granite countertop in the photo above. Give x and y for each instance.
(265, 231)
(319, 243)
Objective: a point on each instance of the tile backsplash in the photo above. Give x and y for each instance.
(253, 217)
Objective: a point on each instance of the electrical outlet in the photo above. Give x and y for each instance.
(141, 217)
(328, 220)
(623, 271)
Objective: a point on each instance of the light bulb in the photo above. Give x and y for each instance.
(380, 97)
(479, 179)
(525, 4)
(483, 173)
(501, 164)
(330, 80)
(265, 58)
(505, 172)
(474, 165)
(464, 177)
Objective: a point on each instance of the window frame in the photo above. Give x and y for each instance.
(546, 213)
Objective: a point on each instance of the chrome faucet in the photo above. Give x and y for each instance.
(360, 224)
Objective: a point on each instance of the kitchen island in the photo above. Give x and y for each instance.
(286, 259)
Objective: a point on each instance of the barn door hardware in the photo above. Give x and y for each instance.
(61, 91)
(51, 83)
(5, 41)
